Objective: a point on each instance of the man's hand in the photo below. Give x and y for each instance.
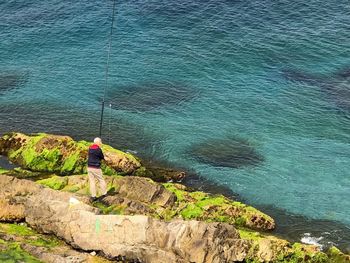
(107, 158)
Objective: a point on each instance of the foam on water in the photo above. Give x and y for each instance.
(231, 66)
(308, 239)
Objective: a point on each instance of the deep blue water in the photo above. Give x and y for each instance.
(274, 75)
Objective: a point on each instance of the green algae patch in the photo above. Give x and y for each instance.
(212, 201)
(18, 234)
(2, 170)
(337, 256)
(70, 163)
(78, 183)
(55, 182)
(110, 210)
(176, 189)
(29, 236)
(45, 241)
(16, 229)
(198, 195)
(71, 188)
(191, 211)
(27, 174)
(249, 234)
(303, 253)
(13, 253)
(267, 248)
(217, 208)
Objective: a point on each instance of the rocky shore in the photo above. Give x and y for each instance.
(147, 216)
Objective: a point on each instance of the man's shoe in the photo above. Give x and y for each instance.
(92, 199)
(102, 196)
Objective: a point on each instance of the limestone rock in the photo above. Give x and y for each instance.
(139, 195)
(127, 206)
(10, 212)
(145, 239)
(132, 188)
(135, 237)
(145, 190)
(54, 256)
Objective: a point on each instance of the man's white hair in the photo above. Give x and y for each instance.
(98, 140)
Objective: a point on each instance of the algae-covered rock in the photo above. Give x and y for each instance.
(337, 256)
(139, 238)
(267, 248)
(138, 189)
(20, 243)
(61, 154)
(55, 182)
(217, 208)
(166, 201)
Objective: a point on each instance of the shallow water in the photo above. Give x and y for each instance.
(228, 60)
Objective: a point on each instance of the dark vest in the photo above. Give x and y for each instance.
(95, 156)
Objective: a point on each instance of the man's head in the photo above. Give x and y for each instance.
(98, 141)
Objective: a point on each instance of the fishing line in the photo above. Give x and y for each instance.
(109, 123)
(107, 67)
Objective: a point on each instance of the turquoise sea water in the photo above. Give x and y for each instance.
(272, 73)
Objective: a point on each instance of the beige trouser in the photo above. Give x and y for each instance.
(96, 174)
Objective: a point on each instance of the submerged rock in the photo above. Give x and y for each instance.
(226, 152)
(335, 86)
(11, 80)
(148, 97)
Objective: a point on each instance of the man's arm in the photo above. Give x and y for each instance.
(101, 155)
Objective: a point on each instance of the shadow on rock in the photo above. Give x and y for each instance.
(149, 97)
(231, 152)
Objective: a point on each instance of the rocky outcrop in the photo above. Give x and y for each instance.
(10, 212)
(19, 243)
(146, 239)
(136, 237)
(130, 187)
(13, 195)
(137, 195)
(60, 154)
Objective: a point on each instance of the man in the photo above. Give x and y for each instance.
(94, 169)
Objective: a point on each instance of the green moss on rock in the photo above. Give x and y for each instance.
(2, 170)
(191, 211)
(55, 182)
(18, 234)
(14, 254)
(267, 248)
(16, 229)
(110, 210)
(203, 206)
(336, 256)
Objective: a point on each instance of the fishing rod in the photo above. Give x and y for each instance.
(107, 68)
